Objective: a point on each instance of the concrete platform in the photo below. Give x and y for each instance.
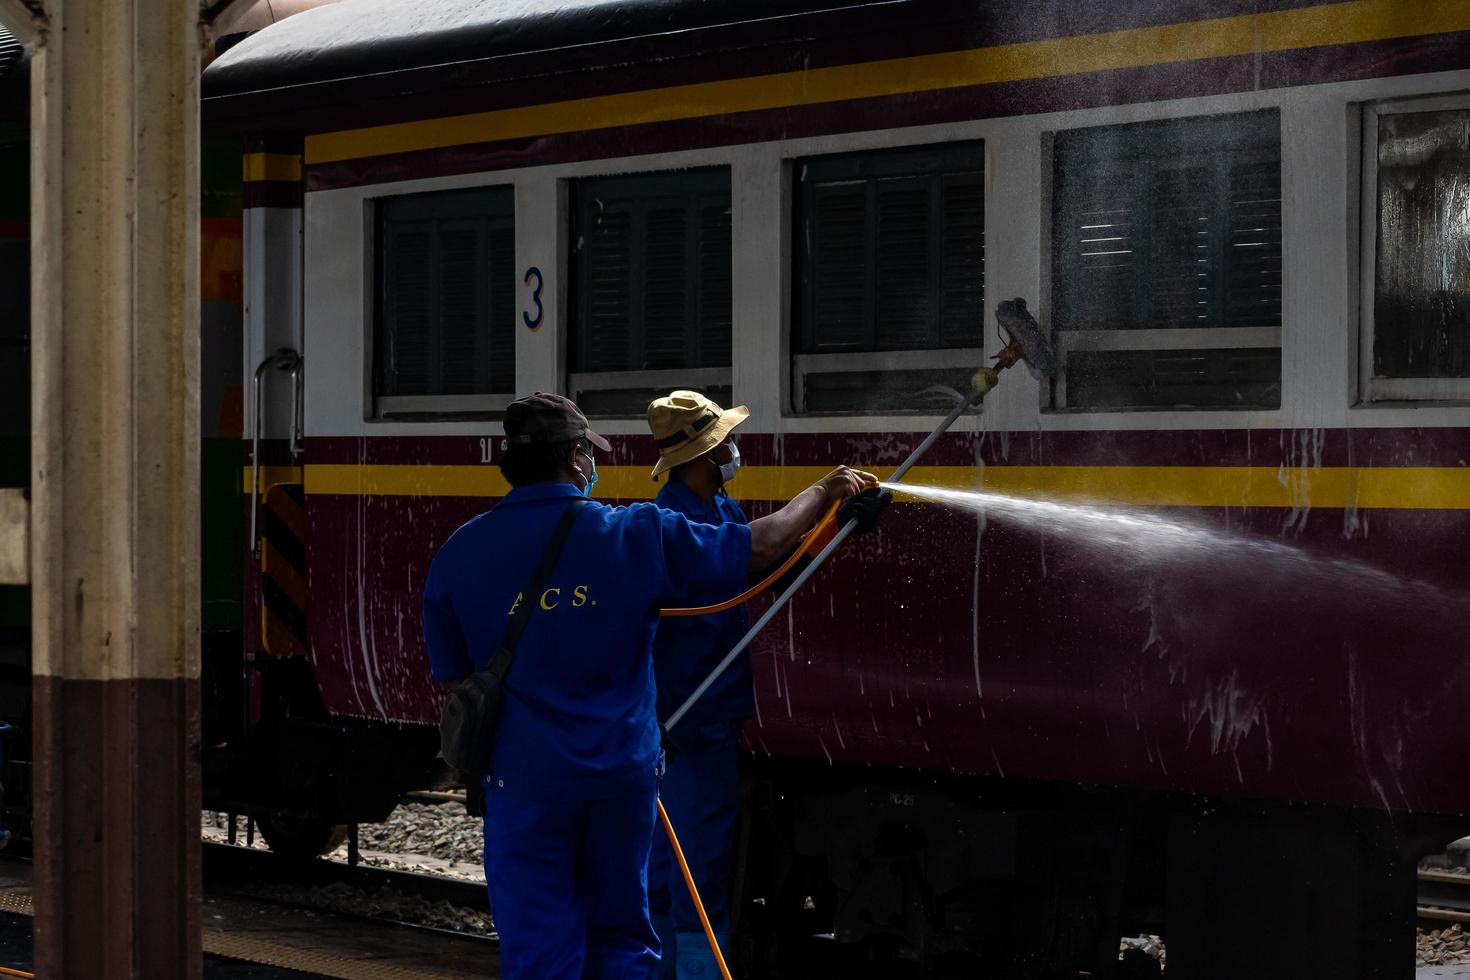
(249, 940)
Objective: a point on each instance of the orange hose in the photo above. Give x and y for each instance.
(809, 544)
(709, 932)
(6, 971)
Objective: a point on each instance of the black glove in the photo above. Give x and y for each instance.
(864, 508)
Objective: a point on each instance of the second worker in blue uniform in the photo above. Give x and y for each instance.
(699, 452)
(701, 789)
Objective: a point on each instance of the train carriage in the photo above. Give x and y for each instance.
(995, 732)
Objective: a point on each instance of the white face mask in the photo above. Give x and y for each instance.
(728, 470)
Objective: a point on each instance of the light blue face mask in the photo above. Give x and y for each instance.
(591, 480)
(728, 470)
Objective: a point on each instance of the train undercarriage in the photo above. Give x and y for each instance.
(924, 875)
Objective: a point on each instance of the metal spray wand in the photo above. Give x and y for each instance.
(1025, 341)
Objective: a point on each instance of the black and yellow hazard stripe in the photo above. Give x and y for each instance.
(272, 172)
(283, 571)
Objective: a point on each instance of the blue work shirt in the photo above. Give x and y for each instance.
(688, 648)
(577, 716)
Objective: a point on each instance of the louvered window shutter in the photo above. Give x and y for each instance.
(903, 264)
(502, 285)
(1253, 276)
(1100, 234)
(715, 281)
(1179, 283)
(1171, 225)
(446, 295)
(606, 324)
(962, 261)
(891, 251)
(1168, 225)
(408, 340)
(839, 256)
(651, 272)
(668, 280)
(461, 312)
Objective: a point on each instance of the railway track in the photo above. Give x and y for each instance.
(261, 874)
(1443, 897)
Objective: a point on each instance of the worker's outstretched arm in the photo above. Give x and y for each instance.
(773, 537)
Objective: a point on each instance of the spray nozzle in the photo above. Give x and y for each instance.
(983, 380)
(1025, 340)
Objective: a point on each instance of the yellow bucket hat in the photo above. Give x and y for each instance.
(686, 425)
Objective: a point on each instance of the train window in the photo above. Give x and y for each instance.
(1417, 251)
(444, 342)
(1166, 264)
(651, 281)
(890, 266)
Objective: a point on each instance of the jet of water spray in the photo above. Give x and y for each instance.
(1150, 540)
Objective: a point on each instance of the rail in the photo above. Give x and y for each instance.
(1443, 896)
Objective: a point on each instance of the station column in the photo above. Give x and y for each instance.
(115, 506)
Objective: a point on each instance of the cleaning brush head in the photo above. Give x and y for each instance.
(1025, 338)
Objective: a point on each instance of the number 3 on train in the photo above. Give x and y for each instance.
(534, 324)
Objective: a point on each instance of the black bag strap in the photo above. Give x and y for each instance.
(506, 651)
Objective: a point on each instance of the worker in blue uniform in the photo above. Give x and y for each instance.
(570, 799)
(701, 789)
(699, 452)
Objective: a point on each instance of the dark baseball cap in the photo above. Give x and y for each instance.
(543, 418)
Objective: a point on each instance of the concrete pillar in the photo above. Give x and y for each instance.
(115, 505)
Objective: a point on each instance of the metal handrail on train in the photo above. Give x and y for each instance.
(296, 376)
(287, 360)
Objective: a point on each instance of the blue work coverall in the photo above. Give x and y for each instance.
(570, 802)
(701, 789)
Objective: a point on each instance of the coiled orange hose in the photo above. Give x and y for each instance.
(813, 541)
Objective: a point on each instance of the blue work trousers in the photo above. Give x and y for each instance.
(701, 793)
(569, 888)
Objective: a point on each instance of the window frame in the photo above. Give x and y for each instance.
(684, 181)
(1157, 339)
(1067, 342)
(1372, 390)
(845, 362)
(942, 158)
(420, 408)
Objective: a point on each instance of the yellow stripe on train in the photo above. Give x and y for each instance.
(1379, 488)
(1309, 27)
(272, 166)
